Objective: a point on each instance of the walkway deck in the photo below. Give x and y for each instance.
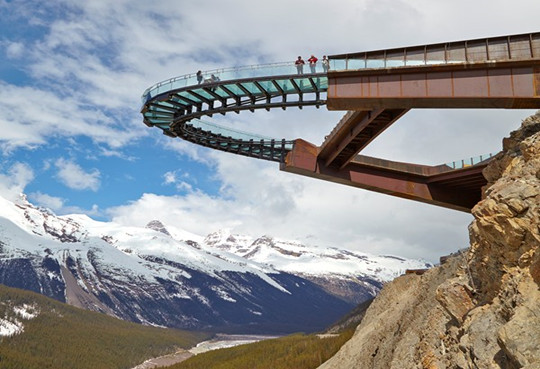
(376, 88)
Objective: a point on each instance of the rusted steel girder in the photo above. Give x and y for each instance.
(354, 132)
(437, 185)
(508, 85)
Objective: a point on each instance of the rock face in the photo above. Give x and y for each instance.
(480, 309)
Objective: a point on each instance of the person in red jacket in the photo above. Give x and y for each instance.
(312, 63)
(299, 65)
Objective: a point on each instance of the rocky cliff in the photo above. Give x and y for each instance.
(481, 308)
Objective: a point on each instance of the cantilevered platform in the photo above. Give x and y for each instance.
(376, 88)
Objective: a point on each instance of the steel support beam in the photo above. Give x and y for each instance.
(354, 132)
(432, 185)
(481, 85)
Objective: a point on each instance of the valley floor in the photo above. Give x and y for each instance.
(218, 342)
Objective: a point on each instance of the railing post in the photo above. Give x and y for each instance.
(250, 148)
(261, 149)
(272, 147)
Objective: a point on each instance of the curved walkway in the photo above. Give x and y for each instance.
(176, 105)
(377, 88)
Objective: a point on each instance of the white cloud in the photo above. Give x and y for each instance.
(51, 202)
(14, 49)
(30, 116)
(258, 199)
(75, 177)
(90, 67)
(169, 178)
(14, 180)
(173, 178)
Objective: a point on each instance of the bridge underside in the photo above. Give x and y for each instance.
(437, 185)
(377, 98)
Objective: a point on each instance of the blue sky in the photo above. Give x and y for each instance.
(72, 138)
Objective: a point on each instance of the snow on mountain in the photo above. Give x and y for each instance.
(162, 275)
(14, 316)
(294, 257)
(147, 275)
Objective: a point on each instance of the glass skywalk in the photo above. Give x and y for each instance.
(234, 73)
(176, 105)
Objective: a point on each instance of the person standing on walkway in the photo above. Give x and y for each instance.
(299, 65)
(312, 63)
(199, 77)
(325, 64)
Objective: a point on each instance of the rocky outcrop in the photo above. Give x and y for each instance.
(481, 308)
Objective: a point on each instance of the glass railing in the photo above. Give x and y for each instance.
(514, 47)
(469, 162)
(504, 48)
(233, 133)
(251, 71)
(366, 63)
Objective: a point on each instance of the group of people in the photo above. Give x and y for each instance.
(312, 64)
(200, 78)
(299, 68)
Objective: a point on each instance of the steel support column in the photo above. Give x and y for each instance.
(410, 181)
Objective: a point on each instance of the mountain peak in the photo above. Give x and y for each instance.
(156, 225)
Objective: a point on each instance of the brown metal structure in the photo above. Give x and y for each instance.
(441, 185)
(501, 72)
(376, 88)
(482, 85)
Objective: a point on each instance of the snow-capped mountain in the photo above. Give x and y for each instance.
(294, 257)
(162, 275)
(351, 275)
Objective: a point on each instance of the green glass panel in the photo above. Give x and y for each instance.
(167, 104)
(178, 101)
(250, 86)
(203, 93)
(394, 63)
(304, 84)
(235, 90)
(157, 115)
(269, 87)
(189, 96)
(286, 85)
(221, 92)
(371, 63)
(323, 83)
(154, 109)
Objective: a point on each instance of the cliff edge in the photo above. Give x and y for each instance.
(481, 307)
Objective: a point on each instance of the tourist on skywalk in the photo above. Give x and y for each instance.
(214, 78)
(312, 63)
(199, 77)
(325, 64)
(299, 65)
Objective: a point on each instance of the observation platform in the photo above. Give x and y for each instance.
(376, 88)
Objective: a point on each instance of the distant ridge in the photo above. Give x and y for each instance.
(163, 275)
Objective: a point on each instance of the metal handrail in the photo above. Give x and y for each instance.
(460, 164)
(267, 67)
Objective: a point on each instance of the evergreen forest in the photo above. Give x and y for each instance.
(61, 336)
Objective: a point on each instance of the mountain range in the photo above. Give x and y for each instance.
(162, 275)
